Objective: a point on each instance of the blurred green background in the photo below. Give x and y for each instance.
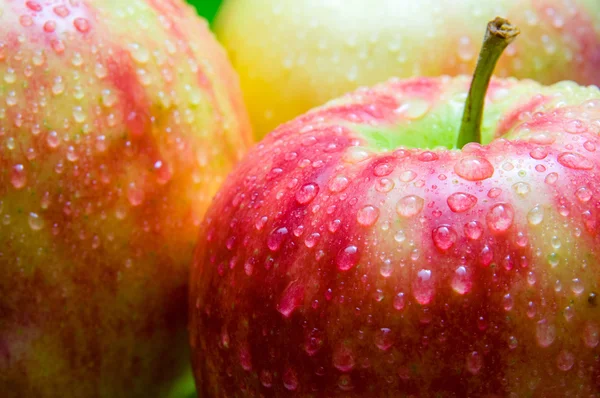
(206, 8)
(185, 388)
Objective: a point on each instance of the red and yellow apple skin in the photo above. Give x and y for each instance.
(294, 55)
(118, 121)
(340, 260)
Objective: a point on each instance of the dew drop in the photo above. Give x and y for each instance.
(290, 379)
(343, 359)
(545, 333)
(338, 184)
(307, 193)
(423, 287)
(538, 153)
(313, 342)
(367, 216)
(591, 334)
(521, 188)
(536, 215)
(461, 280)
(276, 238)
(584, 194)
(291, 298)
(575, 161)
(565, 360)
(384, 339)
(399, 301)
(81, 24)
(444, 237)
(35, 222)
(347, 258)
(500, 217)
(474, 362)
(18, 176)
(551, 178)
(409, 206)
(135, 195)
(460, 202)
(474, 168)
(473, 230)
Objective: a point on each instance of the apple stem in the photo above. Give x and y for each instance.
(498, 35)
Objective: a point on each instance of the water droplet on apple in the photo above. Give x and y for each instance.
(486, 256)
(575, 127)
(290, 379)
(500, 217)
(539, 153)
(135, 195)
(343, 359)
(584, 194)
(266, 378)
(18, 176)
(291, 298)
(474, 362)
(521, 188)
(399, 301)
(444, 237)
(589, 146)
(313, 342)
(400, 236)
(462, 281)
(460, 202)
(565, 360)
(507, 302)
(512, 342)
(575, 161)
(591, 334)
(531, 310)
(384, 185)
(413, 108)
(384, 339)
(466, 49)
(409, 206)
(551, 178)
(423, 287)
(536, 215)
(474, 168)
(545, 333)
(276, 238)
(307, 193)
(347, 258)
(35, 222)
(367, 216)
(473, 230)
(383, 169)
(245, 358)
(577, 286)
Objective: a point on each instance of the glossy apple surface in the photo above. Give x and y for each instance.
(118, 121)
(352, 253)
(294, 55)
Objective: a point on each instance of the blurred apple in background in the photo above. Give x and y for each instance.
(118, 122)
(293, 55)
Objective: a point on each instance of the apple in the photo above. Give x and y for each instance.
(118, 121)
(294, 55)
(362, 250)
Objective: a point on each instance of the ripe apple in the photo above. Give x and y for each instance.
(357, 251)
(118, 121)
(294, 55)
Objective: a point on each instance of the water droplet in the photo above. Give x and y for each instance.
(536, 215)
(521, 188)
(135, 195)
(399, 301)
(307, 193)
(81, 24)
(507, 302)
(291, 298)
(462, 281)
(276, 238)
(466, 49)
(407, 176)
(245, 358)
(538, 153)
(409, 206)
(545, 333)
(347, 258)
(460, 202)
(444, 237)
(474, 362)
(367, 216)
(384, 185)
(400, 236)
(35, 222)
(384, 339)
(343, 359)
(423, 287)
(313, 342)
(551, 178)
(584, 194)
(565, 360)
(500, 217)
(577, 286)
(139, 53)
(413, 108)
(383, 169)
(512, 342)
(312, 239)
(473, 230)
(575, 161)
(474, 168)
(290, 379)
(575, 127)
(591, 334)
(266, 378)
(589, 146)
(18, 176)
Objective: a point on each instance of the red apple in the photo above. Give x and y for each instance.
(118, 121)
(294, 55)
(356, 251)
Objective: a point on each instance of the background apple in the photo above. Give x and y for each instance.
(294, 55)
(353, 252)
(118, 121)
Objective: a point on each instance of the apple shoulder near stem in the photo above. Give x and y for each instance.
(357, 251)
(118, 121)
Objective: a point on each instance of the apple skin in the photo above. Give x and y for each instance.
(294, 55)
(338, 259)
(118, 121)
